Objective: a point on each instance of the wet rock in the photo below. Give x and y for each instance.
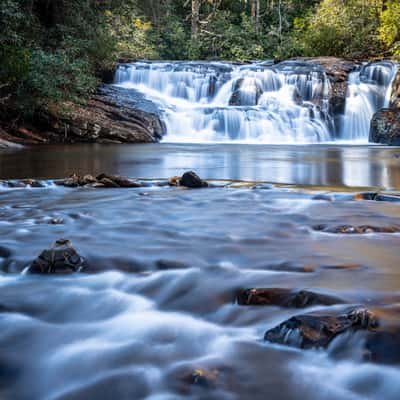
(104, 118)
(108, 183)
(395, 95)
(120, 181)
(55, 221)
(201, 377)
(385, 127)
(192, 180)
(318, 329)
(87, 180)
(387, 197)
(350, 229)
(33, 183)
(60, 258)
(174, 181)
(248, 96)
(164, 265)
(365, 196)
(284, 298)
(71, 182)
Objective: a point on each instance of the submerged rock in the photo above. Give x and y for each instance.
(284, 298)
(201, 377)
(318, 329)
(385, 127)
(192, 180)
(60, 258)
(350, 229)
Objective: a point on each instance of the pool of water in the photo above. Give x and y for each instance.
(321, 165)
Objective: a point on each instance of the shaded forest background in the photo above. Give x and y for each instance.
(57, 50)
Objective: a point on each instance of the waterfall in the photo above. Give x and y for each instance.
(260, 102)
(369, 90)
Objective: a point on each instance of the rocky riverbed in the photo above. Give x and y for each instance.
(174, 288)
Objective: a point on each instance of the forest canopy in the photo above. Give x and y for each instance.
(55, 50)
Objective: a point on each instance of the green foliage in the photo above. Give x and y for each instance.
(338, 28)
(52, 51)
(389, 29)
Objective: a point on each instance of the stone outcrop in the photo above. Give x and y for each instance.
(104, 119)
(113, 115)
(385, 127)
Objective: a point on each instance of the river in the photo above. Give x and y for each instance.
(158, 311)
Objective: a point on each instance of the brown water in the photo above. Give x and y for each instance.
(302, 165)
(169, 262)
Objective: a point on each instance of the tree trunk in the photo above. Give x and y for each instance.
(195, 19)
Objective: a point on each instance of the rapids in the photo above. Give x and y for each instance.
(167, 263)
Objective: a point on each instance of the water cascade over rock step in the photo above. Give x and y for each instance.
(294, 101)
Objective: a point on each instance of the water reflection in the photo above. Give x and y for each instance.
(303, 165)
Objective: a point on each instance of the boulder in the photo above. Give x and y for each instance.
(379, 328)
(284, 298)
(395, 95)
(192, 180)
(318, 329)
(61, 258)
(385, 127)
(109, 116)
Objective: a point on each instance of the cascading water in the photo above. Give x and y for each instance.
(369, 90)
(257, 103)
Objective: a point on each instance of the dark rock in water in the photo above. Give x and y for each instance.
(284, 298)
(55, 221)
(72, 181)
(318, 329)
(174, 181)
(248, 97)
(192, 180)
(33, 183)
(387, 197)
(350, 229)
(60, 258)
(108, 183)
(119, 181)
(385, 127)
(201, 377)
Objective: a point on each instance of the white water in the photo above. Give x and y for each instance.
(368, 91)
(258, 103)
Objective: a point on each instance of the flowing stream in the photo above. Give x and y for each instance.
(262, 103)
(156, 313)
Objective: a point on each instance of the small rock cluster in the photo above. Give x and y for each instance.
(350, 229)
(101, 181)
